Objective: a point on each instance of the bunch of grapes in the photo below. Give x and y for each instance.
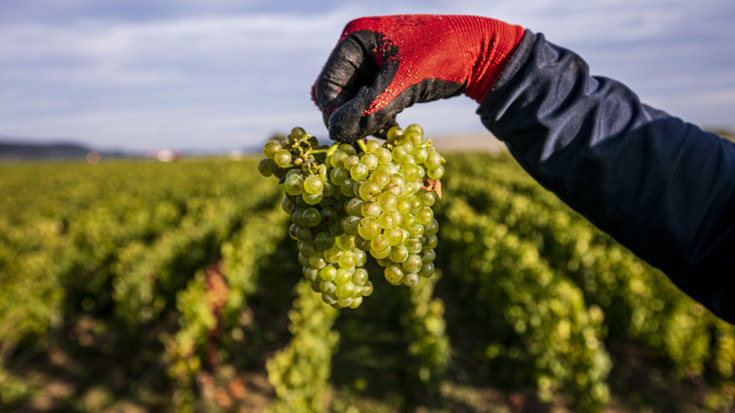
(349, 201)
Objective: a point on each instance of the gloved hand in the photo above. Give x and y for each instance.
(382, 65)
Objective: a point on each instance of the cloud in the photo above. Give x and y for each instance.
(208, 73)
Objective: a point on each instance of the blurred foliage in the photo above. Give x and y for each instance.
(185, 270)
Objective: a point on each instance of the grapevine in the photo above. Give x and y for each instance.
(348, 201)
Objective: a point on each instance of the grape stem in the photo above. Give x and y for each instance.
(332, 149)
(361, 144)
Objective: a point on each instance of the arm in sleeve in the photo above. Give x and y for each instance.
(663, 188)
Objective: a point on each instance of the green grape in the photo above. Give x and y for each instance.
(393, 274)
(428, 199)
(332, 255)
(379, 243)
(427, 269)
(310, 199)
(424, 216)
(359, 172)
(271, 148)
(345, 242)
(360, 257)
(306, 248)
(328, 273)
(287, 204)
(428, 255)
(414, 246)
(386, 220)
(335, 227)
(397, 218)
(329, 189)
(328, 287)
(323, 240)
(411, 172)
(411, 279)
(394, 236)
(404, 206)
(344, 275)
(416, 230)
(329, 215)
(317, 261)
(399, 154)
(362, 243)
(328, 298)
(372, 146)
(352, 206)
(369, 190)
(381, 178)
(399, 253)
(337, 160)
(407, 220)
(311, 274)
(351, 161)
(350, 224)
(433, 161)
(394, 133)
(266, 167)
(369, 228)
(431, 242)
(345, 290)
(412, 263)
(415, 127)
(412, 187)
(420, 154)
(393, 188)
(303, 233)
(380, 254)
(347, 148)
(283, 158)
(370, 161)
(388, 201)
(436, 173)
(367, 289)
(383, 155)
(360, 277)
(293, 184)
(356, 302)
(297, 132)
(356, 188)
(347, 260)
(292, 231)
(313, 184)
(344, 302)
(338, 175)
(312, 217)
(398, 179)
(370, 209)
(431, 228)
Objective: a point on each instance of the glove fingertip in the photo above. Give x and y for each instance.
(383, 132)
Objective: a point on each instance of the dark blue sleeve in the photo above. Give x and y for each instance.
(662, 187)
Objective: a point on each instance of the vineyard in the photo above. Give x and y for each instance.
(139, 286)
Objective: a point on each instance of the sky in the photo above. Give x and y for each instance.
(225, 74)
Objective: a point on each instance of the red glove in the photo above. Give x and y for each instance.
(382, 65)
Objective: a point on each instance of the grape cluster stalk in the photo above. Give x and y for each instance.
(348, 201)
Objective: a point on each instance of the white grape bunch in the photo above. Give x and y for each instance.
(347, 202)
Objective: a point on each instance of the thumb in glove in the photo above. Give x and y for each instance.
(382, 65)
